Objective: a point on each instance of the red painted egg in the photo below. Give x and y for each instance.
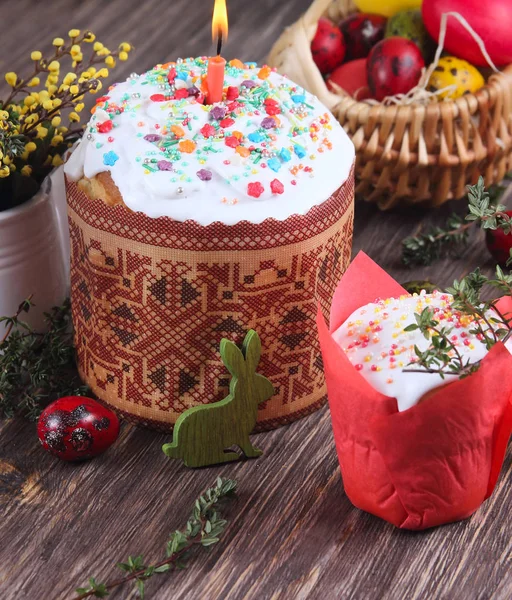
(352, 77)
(491, 20)
(394, 67)
(327, 47)
(499, 243)
(361, 32)
(77, 428)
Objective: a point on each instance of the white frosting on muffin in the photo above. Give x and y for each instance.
(375, 341)
(269, 149)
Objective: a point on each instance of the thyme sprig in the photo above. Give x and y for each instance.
(488, 322)
(203, 529)
(484, 211)
(36, 368)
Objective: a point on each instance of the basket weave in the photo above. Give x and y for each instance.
(408, 154)
(152, 299)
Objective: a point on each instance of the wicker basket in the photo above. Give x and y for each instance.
(408, 154)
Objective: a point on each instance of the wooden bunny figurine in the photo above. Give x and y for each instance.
(203, 434)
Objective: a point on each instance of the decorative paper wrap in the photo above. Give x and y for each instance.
(152, 298)
(434, 463)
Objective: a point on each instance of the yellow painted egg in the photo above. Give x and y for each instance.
(455, 71)
(387, 8)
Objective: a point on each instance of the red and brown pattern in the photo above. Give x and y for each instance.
(152, 299)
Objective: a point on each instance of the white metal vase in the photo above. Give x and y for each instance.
(34, 253)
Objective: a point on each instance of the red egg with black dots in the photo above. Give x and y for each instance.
(394, 67)
(328, 46)
(499, 243)
(76, 428)
(361, 32)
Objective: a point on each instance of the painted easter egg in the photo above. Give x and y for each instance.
(76, 428)
(351, 77)
(394, 67)
(327, 47)
(361, 32)
(388, 7)
(499, 243)
(409, 24)
(452, 71)
(491, 20)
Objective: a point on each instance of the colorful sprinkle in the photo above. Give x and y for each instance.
(110, 158)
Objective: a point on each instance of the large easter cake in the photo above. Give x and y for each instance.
(191, 222)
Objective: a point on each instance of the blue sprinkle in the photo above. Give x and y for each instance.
(285, 155)
(298, 98)
(299, 151)
(110, 158)
(251, 64)
(274, 164)
(255, 137)
(182, 75)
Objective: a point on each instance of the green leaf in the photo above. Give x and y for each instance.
(140, 588)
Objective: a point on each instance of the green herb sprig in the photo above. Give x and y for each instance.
(37, 368)
(203, 529)
(484, 211)
(442, 356)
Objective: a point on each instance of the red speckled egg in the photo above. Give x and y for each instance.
(351, 77)
(394, 67)
(491, 20)
(499, 243)
(77, 428)
(361, 32)
(327, 47)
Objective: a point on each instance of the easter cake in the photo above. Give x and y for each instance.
(377, 343)
(191, 222)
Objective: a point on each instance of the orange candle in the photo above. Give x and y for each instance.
(215, 78)
(216, 64)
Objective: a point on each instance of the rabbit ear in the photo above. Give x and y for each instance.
(232, 357)
(252, 350)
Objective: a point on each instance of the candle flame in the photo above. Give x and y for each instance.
(220, 23)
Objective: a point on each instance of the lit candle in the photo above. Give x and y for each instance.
(216, 64)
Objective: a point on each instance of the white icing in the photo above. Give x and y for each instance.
(391, 316)
(225, 197)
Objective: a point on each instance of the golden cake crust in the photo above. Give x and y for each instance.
(102, 187)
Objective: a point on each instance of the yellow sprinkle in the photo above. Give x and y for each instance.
(400, 363)
(358, 322)
(387, 301)
(395, 335)
(368, 358)
(368, 329)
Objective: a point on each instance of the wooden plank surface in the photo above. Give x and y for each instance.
(293, 532)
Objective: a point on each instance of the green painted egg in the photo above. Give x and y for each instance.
(452, 71)
(409, 24)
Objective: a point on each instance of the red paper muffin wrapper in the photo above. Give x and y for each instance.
(152, 299)
(431, 464)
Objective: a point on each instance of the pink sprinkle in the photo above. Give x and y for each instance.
(358, 367)
(463, 334)
(467, 342)
(454, 338)
(374, 367)
(364, 344)
(392, 359)
(394, 346)
(110, 139)
(293, 182)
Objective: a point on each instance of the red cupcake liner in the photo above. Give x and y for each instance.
(434, 463)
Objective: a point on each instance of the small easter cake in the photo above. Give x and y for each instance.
(270, 149)
(376, 342)
(193, 222)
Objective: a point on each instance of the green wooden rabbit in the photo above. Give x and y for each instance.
(203, 434)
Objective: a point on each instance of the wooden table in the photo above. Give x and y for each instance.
(293, 533)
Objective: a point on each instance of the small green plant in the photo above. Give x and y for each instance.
(203, 529)
(37, 368)
(487, 321)
(484, 211)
